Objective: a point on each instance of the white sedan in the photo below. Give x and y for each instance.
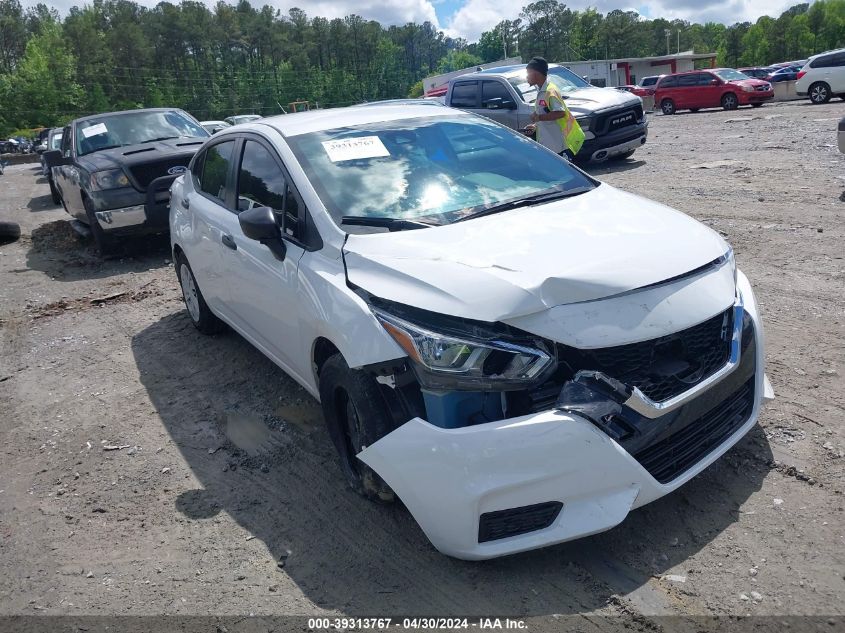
(520, 353)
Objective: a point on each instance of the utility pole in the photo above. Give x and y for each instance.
(679, 42)
(668, 32)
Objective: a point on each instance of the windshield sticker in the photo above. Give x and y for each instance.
(355, 148)
(94, 130)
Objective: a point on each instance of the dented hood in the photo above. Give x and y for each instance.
(594, 245)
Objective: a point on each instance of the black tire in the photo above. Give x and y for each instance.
(105, 244)
(694, 109)
(756, 105)
(54, 193)
(667, 106)
(9, 232)
(198, 311)
(356, 417)
(819, 93)
(730, 101)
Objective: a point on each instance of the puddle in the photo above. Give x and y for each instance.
(307, 417)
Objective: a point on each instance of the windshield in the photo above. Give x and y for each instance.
(731, 75)
(563, 78)
(132, 128)
(429, 169)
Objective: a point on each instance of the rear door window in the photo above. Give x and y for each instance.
(215, 168)
(687, 81)
(668, 82)
(465, 95)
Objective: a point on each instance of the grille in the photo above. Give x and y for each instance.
(762, 88)
(668, 366)
(505, 523)
(669, 458)
(613, 121)
(145, 173)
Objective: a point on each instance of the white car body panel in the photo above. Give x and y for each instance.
(448, 477)
(601, 269)
(833, 76)
(595, 245)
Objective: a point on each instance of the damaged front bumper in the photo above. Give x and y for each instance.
(518, 484)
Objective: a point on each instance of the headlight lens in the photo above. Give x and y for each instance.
(584, 122)
(749, 88)
(109, 179)
(444, 361)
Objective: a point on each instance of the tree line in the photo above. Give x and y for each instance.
(235, 58)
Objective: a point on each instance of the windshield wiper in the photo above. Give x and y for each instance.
(100, 149)
(391, 224)
(161, 138)
(526, 201)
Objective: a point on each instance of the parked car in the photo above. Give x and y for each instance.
(518, 352)
(823, 77)
(650, 82)
(637, 90)
(756, 72)
(53, 143)
(786, 73)
(213, 127)
(614, 123)
(241, 118)
(698, 89)
(113, 171)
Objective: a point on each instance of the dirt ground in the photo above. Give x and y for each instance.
(146, 469)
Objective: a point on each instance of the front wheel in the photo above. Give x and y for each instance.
(201, 315)
(756, 105)
(667, 106)
(820, 93)
(54, 193)
(105, 243)
(356, 417)
(729, 101)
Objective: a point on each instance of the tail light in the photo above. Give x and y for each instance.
(801, 73)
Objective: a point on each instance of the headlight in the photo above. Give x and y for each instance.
(443, 361)
(748, 88)
(584, 122)
(110, 179)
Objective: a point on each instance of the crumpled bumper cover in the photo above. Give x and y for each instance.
(449, 478)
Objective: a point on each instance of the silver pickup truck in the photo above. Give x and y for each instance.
(613, 121)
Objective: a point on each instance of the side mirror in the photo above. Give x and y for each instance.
(259, 224)
(53, 158)
(715, 82)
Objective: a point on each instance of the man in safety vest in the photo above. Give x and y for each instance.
(552, 122)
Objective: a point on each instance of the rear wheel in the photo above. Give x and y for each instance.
(667, 106)
(356, 417)
(729, 101)
(820, 93)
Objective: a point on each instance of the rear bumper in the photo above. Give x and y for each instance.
(454, 480)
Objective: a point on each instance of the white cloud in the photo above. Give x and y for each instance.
(477, 16)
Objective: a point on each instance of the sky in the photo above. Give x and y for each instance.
(469, 18)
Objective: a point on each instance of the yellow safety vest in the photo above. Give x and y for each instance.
(573, 135)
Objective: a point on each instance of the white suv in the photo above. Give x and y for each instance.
(823, 77)
(518, 352)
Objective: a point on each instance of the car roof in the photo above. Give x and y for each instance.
(102, 114)
(318, 120)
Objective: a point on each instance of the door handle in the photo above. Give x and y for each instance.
(186, 204)
(229, 242)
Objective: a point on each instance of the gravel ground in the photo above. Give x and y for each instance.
(149, 470)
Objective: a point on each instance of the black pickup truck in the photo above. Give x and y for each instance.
(113, 171)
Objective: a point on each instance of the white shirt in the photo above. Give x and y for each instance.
(549, 133)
